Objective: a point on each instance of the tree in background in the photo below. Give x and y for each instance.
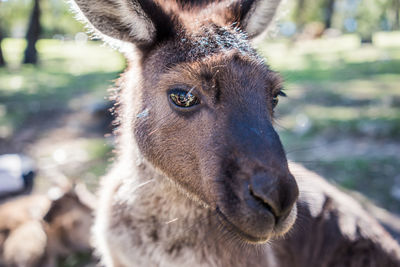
(329, 9)
(2, 62)
(311, 11)
(32, 34)
(370, 15)
(396, 8)
(299, 13)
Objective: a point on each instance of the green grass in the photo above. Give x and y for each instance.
(65, 71)
(339, 84)
(340, 90)
(68, 78)
(372, 176)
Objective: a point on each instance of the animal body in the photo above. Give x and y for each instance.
(37, 230)
(201, 177)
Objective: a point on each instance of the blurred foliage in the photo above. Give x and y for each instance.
(56, 18)
(375, 15)
(342, 114)
(26, 90)
(341, 117)
(349, 16)
(361, 16)
(58, 95)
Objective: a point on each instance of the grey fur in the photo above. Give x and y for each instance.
(118, 19)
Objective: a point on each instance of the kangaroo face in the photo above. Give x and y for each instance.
(207, 103)
(209, 128)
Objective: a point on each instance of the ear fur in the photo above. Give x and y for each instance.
(254, 16)
(144, 22)
(136, 21)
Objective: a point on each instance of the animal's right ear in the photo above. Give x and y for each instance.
(141, 22)
(254, 16)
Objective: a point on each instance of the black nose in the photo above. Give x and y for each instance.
(273, 193)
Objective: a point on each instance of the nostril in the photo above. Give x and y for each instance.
(262, 202)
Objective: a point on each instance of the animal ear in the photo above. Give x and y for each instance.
(254, 16)
(138, 21)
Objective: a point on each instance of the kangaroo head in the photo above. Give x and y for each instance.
(204, 104)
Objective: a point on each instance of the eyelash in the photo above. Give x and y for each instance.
(275, 98)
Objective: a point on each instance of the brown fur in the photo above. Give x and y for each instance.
(36, 231)
(210, 185)
(332, 229)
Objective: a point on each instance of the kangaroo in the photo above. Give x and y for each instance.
(201, 177)
(38, 230)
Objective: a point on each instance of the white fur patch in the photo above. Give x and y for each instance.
(109, 19)
(221, 40)
(271, 258)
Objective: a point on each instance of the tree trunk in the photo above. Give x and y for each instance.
(300, 14)
(329, 10)
(396, 6)
(32, 35)
(2, 61)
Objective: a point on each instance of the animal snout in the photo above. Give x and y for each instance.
(274, 194)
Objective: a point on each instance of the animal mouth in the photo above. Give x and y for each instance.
(243, 235)
(261, 202)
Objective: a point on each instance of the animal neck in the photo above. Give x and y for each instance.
(170, 220)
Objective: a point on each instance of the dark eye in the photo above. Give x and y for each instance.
(183, 99)
(275, 99)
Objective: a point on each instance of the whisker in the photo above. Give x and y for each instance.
(143, 184)
(301, 149)
(171, 221)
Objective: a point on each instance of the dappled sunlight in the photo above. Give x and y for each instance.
(208, 116)
(342, 113)
(49, 112)
(337, 89)
(329, 53)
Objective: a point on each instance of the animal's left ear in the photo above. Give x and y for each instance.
(254, 16)
(142, 22)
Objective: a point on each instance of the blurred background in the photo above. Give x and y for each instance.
(340, 60)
